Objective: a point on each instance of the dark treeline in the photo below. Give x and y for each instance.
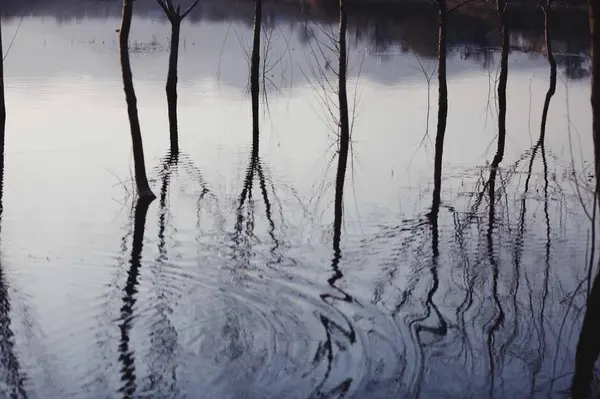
(408, 25)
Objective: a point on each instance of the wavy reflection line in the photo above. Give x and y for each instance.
(163, 335)
(168, 165)
(244, 227)
(547, 9)
(127, 357)
(499, 318)
(498, 157)
(441, 329)
(326, 348)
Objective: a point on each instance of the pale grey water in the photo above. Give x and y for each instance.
(247, 310)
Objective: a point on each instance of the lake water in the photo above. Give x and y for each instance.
(231, 286)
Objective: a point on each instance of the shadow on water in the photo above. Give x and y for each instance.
(126, 353)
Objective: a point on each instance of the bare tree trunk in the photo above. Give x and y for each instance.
(2, 115)
(594, 14)
(2, 100)
(171, 87)
(552, 61)
(344, 130)
(442, 106)
(588, 347)
(500, 8)
(141, 180)
(254, 76)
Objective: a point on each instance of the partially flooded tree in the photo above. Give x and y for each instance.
(588, 347)
(2, 100)
(442, 52)
(502, 82)
(141, 179)
(254, 74)
(343, 121)
(175, 17)
(245, 222)
(2, 112)
(442, 107)
(594, 15)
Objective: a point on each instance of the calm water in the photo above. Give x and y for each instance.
(231, 286)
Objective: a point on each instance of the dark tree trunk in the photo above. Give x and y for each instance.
(344, 131)
(442, 107)
(171, 87)
(500, 8)
(254, 76)
(552, 62)
(141, 180)
(588, 347)
(2, 115)
(594, 14)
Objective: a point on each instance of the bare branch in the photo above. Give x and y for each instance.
(190, 8)
(163, 5)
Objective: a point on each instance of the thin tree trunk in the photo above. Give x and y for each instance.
(500, 8)
(2, 116)
(442, 106)
(171, 87)
(552, 62)
(594, 15)
(141, 180)
(254, 76)
(2, 100)
(344, 131)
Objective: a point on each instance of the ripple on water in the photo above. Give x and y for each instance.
(266, 338)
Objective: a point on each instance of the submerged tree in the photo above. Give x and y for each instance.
(141, 180)
(175, 17)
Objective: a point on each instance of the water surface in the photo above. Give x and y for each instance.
(230, 284)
